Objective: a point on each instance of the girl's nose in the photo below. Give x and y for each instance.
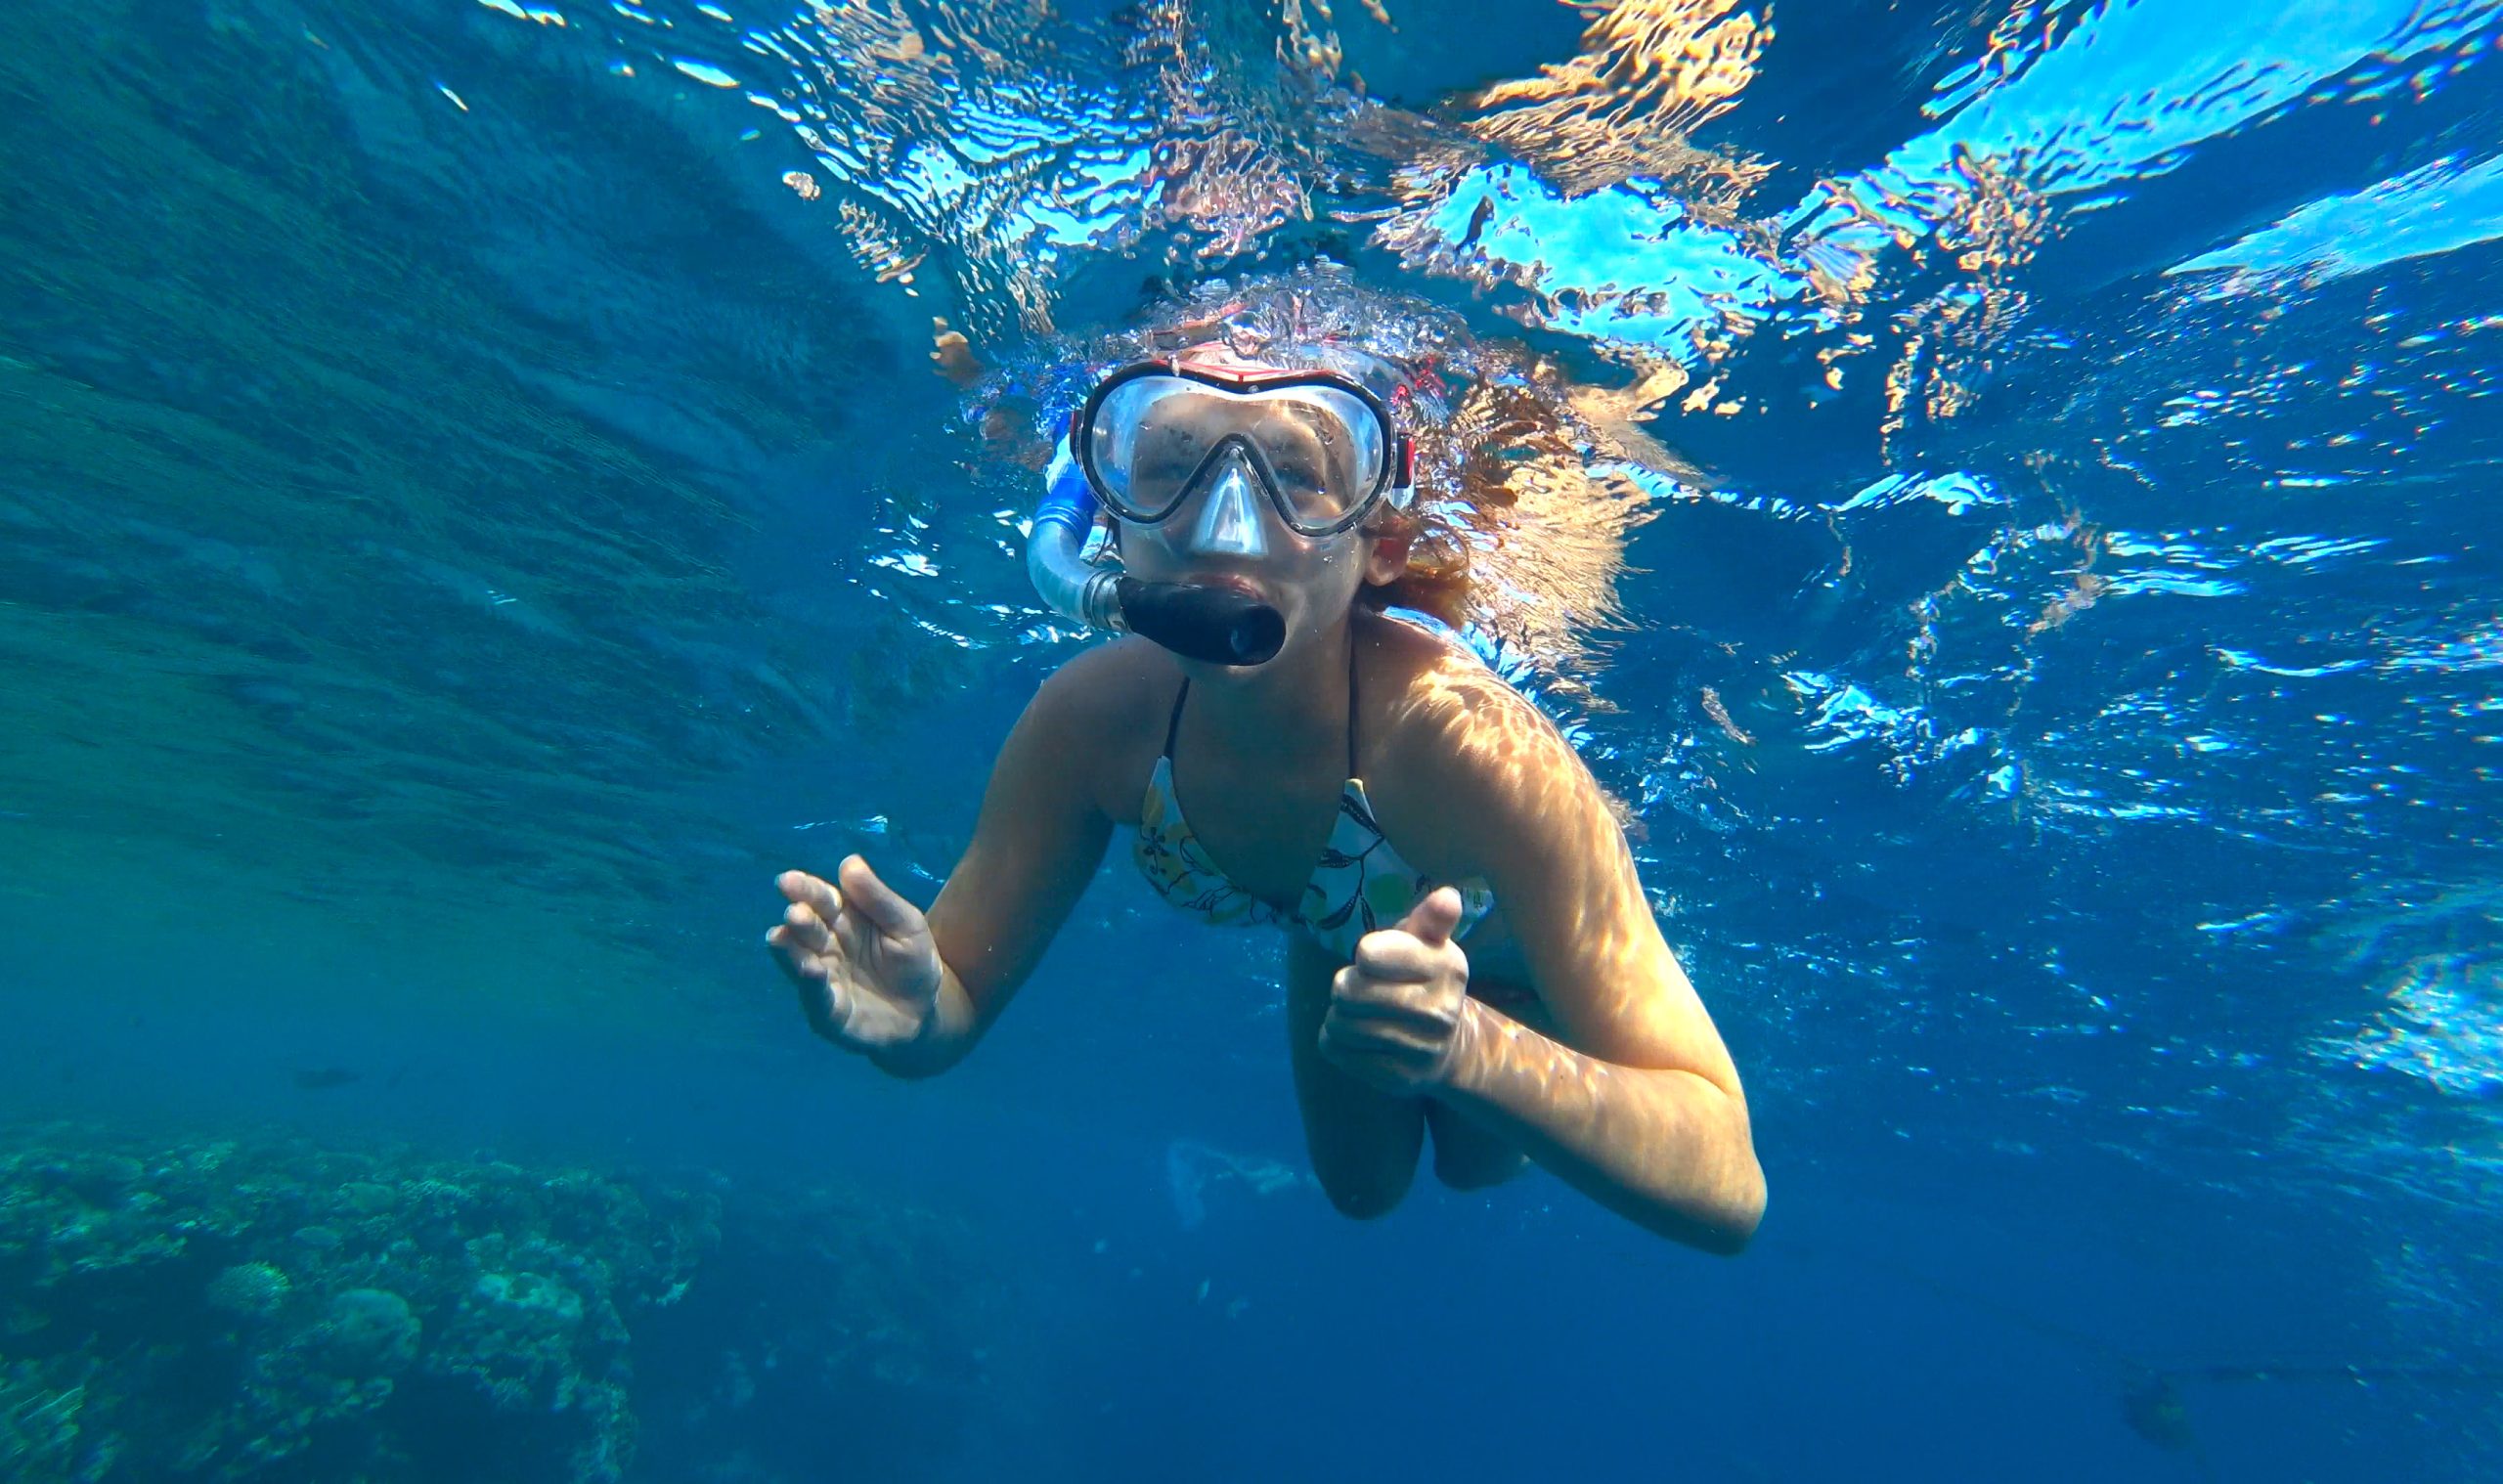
(1229, 523)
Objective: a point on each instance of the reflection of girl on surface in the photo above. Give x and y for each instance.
(1263, 491)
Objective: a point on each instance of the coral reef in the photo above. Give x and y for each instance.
(255, 1289)
(277, 1311)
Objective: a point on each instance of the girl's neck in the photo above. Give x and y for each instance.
(1293, 708)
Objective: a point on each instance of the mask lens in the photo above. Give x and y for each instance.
(1322, 445)
(1148, 439)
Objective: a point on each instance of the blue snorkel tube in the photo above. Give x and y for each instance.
(1055, 553)
(1214, 625)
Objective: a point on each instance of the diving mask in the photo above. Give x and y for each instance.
(1318, 444)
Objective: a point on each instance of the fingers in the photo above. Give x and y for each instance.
(803, 929)
(812, 891)
(1431, 919)
(1383, 1005)
(819, 998)
(815, 921)
(802, 943)
(855, 897)
(822, 1002)
(1344, 1029)
(1367, 1047)
(1396, 953)
(864, 893)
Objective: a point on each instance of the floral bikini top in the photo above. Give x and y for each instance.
(1359, 886)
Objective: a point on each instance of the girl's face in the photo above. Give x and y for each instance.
(1229, 534)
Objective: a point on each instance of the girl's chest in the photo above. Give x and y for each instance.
(1266, 834)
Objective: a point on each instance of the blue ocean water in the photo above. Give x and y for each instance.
(484, 485)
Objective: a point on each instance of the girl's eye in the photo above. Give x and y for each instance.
(1167, 452)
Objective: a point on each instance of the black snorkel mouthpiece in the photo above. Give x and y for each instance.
(1216, 626)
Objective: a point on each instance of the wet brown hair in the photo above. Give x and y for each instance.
(1526, 490)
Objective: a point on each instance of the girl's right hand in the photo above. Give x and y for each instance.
(867, 972)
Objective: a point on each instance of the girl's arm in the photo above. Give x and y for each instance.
(1634, 1101)
(1036, 844)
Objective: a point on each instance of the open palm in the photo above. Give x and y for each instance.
(860, 956)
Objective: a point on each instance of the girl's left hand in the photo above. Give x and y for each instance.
(1399, 1016)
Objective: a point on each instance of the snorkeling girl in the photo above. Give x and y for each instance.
(1471, 955)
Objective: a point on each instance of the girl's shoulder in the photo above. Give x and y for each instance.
(1106, 709)
(1113, 685)
(1471, 776)
(1442, 703)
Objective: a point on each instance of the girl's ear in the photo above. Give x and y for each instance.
(1388, 558)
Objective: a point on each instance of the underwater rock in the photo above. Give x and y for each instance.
(373, 1331)
(368, 1199)
(103, 1179)
(530, 1303)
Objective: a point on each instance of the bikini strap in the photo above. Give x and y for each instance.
(1175, 723)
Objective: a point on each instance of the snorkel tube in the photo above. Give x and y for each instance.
(1216, 626)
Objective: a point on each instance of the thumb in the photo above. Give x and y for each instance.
(1431, 919)
(876, 901)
